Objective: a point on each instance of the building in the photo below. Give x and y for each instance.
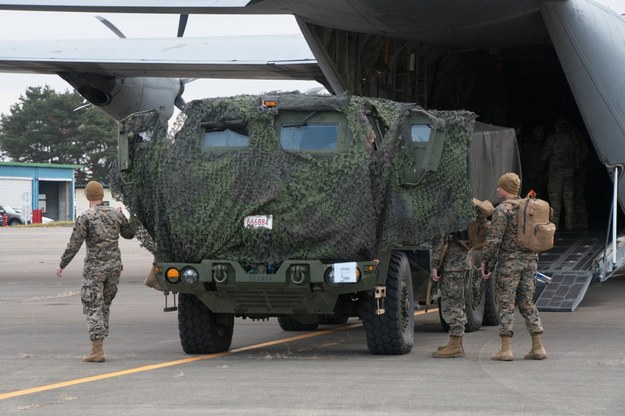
(82, 204)
(45, 186)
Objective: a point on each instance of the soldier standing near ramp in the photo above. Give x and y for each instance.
(516, 270)
(562, 153)
(100, 226)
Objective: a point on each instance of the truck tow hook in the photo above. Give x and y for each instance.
(380, 294)
(170, 308)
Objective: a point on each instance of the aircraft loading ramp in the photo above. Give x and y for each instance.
(570, 265)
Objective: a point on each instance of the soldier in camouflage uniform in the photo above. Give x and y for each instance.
(516, 269)
(449, 260)
(100, 227)
(562, 153)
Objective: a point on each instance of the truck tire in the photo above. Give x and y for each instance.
(201, 330)
(474, 301)
(288, 323)
(391, 333)
(474, 304)
(491, 316)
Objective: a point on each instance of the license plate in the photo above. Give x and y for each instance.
(345, 273)
(258, 221)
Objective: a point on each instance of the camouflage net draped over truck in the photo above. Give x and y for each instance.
(344, 204)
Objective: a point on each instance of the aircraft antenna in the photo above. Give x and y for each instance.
(182, 24)
(111, 26)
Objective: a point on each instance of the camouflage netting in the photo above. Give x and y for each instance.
(335, 205)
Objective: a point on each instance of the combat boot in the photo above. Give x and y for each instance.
(451, 350)
(506, 350)
(441, 347)
(97, 355)
(537, 352)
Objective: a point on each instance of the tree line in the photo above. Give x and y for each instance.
(46, 126)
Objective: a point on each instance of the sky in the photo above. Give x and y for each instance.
(54, 25)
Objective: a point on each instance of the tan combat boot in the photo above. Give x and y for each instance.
(537, 352)
(451, 350)
(97, 355)
(506, 350)
(441, 347)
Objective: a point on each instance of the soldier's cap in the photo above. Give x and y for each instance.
(483, 208)
(94, 191)
(510, 182)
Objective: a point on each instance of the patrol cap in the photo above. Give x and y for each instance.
(510, 182)
(94, 191)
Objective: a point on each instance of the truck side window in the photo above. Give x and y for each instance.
(309, 136)
(420, 133)
(225, 138)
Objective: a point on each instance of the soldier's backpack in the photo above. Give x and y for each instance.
(535, 231)
(479, 226)
(477, 233)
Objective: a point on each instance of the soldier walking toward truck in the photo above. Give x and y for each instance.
(516, 269)
(100, 226)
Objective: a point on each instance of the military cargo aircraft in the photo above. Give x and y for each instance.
(513, 62)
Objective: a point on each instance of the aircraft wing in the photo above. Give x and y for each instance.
(265, 57)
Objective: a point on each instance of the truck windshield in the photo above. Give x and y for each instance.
(420, 133)
(309, 136)
(225, 138)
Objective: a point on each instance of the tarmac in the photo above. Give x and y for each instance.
(272, 372)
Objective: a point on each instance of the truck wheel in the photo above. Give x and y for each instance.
(288, 323)
(391, 333)
(491, 316)
(474, 303)
(201, 330)
(14, 222)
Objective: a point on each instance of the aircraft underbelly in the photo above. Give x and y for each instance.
(590, 43)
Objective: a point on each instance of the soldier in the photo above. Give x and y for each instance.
(562, 153)
(516, 270)
(449, 255)
(449, 260)
(100, 226)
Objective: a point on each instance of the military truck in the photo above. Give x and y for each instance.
(311, 209)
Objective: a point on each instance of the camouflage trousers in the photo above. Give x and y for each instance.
(97, 293)
(561, 195)
(515, 285)
(452, 301)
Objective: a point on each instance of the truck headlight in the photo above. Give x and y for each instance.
(190, 276)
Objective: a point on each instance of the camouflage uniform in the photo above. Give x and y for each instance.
(453, 271)
(562, 153)
(100, 227)
(516, 270)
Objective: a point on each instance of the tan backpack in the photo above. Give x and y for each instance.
(535, 231)
(477, 232)
(479, 226)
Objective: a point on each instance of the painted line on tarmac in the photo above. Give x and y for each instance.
(104, 376)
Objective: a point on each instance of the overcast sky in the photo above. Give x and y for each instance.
(49, 25)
